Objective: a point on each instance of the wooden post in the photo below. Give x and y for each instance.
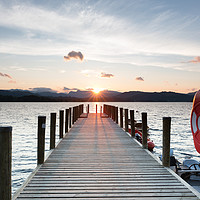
(110, 111)
(126, 120)
(79, 110)
(76, 113)
(88, 109)
(5, 162)
(70, 117)
(52, 130)
(113, 113)
(96, 108)
(73, 115)
(82, 109)
(116, 114)
(66, 120)
(41, 139)
(132, 123)
(144, 130)
(121, 117)
(61, 124)
(166, 141)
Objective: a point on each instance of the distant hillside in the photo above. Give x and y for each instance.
(103, 96)
(138, 96)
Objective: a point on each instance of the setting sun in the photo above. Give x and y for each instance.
(97, 90)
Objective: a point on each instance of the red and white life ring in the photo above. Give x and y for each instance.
(195, 121)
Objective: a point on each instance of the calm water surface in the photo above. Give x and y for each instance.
(23, 118)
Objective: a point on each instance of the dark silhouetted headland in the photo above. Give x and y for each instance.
(103, 96)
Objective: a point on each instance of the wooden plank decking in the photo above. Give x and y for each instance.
(98, 160)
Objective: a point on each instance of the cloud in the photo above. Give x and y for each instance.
(5, 75)
(74, 55)
(139, 78)
(12, 82)
(193, 89)
(104, 75)
(195, 60)
(70, 89)
(89, 89)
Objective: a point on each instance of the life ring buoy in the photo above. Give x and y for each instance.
(195, 121)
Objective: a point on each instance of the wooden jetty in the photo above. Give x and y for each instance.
(97, 159)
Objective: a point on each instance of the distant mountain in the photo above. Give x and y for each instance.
(15, 93)
(106, 95)
(81, 94)
(138, 96)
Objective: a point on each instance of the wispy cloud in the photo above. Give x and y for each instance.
(139, 78)
(5, 75)
(86, 24)
(195, 60)
(13, 82)
(74, 55)
(66, 89)
(105, 75)
(89, 89)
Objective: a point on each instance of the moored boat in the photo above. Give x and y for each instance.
(138, 136)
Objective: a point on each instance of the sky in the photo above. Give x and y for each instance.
(120, 45)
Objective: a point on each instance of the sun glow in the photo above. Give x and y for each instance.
(97, 90)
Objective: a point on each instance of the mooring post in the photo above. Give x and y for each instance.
(82, 109)
(61, 123)
(132, 123)
(5, 162)
(166, 141)
(121, 117)
(66, 120)
(79, 110)
(109, 111)
(116, 114)
(52, 130)
(73, 115)
(113, 112)
(96, 108)
(41, 139)
(70, 117)
(144, 130)
(76, 114)
(88, 109)
(126, 120)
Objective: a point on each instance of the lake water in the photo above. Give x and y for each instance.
(23, 118)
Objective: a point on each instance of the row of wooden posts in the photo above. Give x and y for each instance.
(112, 112)
(65, 123)
(71, 116)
